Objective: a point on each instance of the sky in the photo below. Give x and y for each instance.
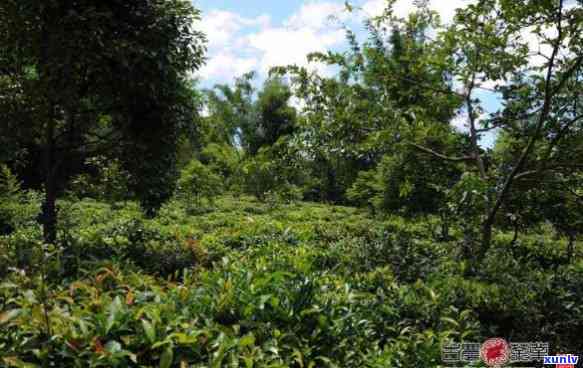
(255, 35)
(247, 35)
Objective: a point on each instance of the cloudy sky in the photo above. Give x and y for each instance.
(247, 35)
(254, 35)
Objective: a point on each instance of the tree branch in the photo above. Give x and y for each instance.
(473, 131)
(439, 155)
(547, 168)
(549, 94)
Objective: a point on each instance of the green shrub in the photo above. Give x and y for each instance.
(260, 176)
(198, 182)
(301, 285)
(222, 158)
(105, 180)
(18, 208)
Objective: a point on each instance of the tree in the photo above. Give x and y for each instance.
(198, 181)
(541, 107)
(90, 77)
(275, 116)
(391, 88)
(488, 44)
(230, 110)
(552, 196)
(249, 118)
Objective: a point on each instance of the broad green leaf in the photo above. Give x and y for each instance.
(149, 331)
(167, 358)
(247, 340)
(115, 309)
(450, 320)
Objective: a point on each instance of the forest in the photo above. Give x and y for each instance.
(377, 215)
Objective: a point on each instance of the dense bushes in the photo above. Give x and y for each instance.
(104, 180)
(198, 182)
(254, 285)
(18, 208)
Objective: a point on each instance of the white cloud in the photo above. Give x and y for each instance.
(402, 8)
(283, 46)
(224, 65)
(460, 122)
(539, 50)
(238, 44)
(447, 8)
(227, 54)
(313, 28)
(317, 15)
(220, 27)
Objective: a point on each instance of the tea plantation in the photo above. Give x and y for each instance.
(250, 284)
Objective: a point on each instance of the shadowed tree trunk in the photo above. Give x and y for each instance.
(49, 209)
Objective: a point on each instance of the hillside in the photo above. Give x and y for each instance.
(272, 285)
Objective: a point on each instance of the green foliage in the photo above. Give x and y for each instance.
(271, 175)
(364, 189)
(9, 194)
(251, 284)
(9, 184)
(276, 118)
(18, 207)
(110, 182)
(259, 172)
(468, 199)
(269, 280)
(231, 112)
(118, 88)
(222, 159)
(198, 182)
(407, 182)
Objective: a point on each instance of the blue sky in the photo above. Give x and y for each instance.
(255, 35)
(279, 10)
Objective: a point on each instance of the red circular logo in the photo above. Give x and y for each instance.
(495, 352)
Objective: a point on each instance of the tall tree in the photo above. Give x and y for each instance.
(249, 118)
(231, 109)
(275, 116)
(388, 89)
(88, 77)
(489, 43)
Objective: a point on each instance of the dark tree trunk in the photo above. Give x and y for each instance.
(570, 248)
(444, 226)
(48, 217)
(486, 239)
(49, 208)
(50, 212)
(516, 231)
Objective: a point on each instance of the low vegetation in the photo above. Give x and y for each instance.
(253, 285)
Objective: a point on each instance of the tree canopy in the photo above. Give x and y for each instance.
(90, 77)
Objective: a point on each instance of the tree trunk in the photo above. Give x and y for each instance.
(486, 239)
(570, 248)
(49, 208)
(50, 215)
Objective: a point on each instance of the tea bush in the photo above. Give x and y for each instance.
(248, 284)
